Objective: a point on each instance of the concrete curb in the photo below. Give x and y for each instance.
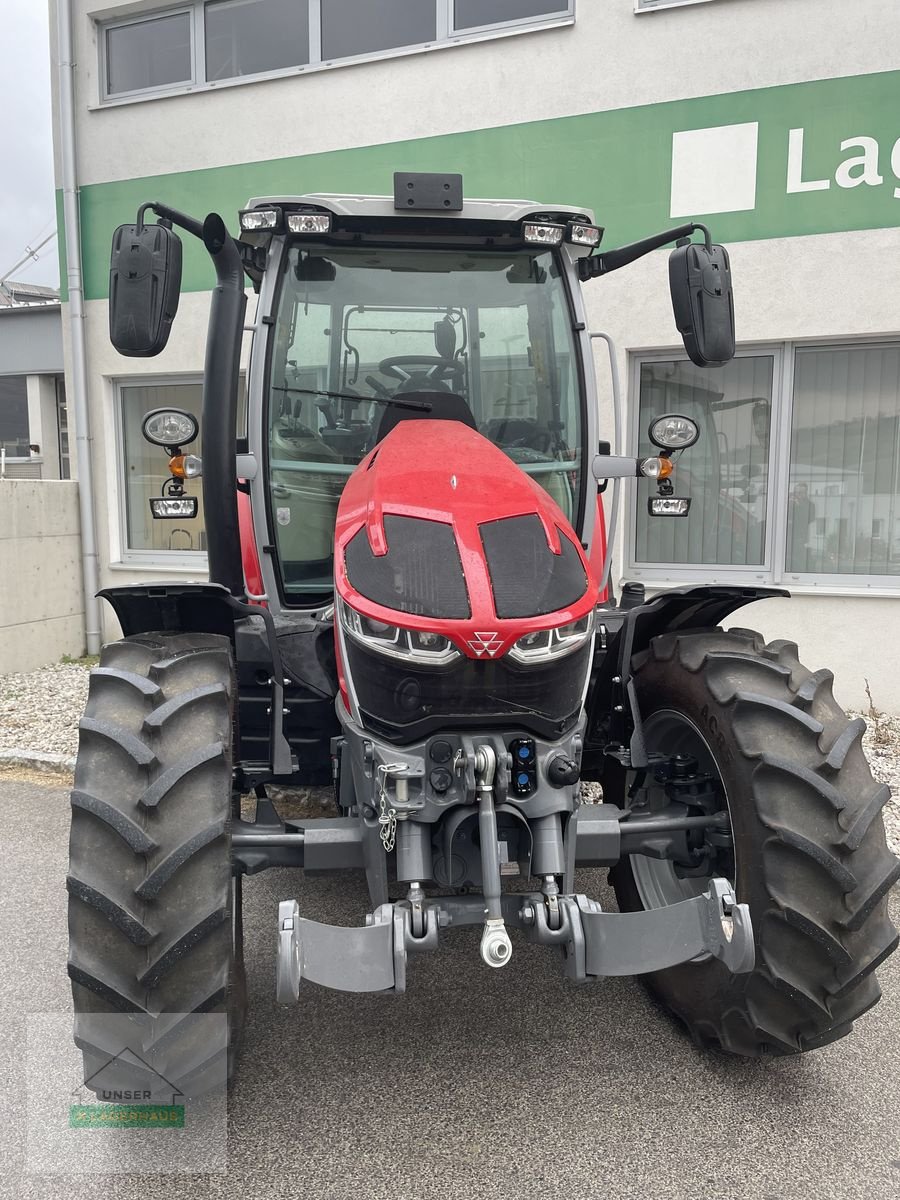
(49, 764)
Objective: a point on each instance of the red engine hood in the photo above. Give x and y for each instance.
(445, 472)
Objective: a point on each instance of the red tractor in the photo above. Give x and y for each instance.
(409, 600)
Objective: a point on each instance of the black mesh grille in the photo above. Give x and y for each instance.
(527, 578)
(421, 572)
(403, 700)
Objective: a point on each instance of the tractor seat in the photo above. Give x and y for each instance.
(445, 406)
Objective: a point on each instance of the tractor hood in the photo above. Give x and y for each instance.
(439, 531)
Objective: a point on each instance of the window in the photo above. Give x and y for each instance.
(844, 503)
(62, 427)
(247, 37)
(725, 474)
(144, 468)
(205, 43)
(14, 436)
(149, 54)
(350, 28)
(469, 14)
(796, 477)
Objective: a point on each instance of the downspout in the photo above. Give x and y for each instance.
(78, 382)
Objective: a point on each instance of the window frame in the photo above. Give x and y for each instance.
(467, 31)
(647, 6)
(17, 460)
(446, 36)
(103, 28)
(773, 572)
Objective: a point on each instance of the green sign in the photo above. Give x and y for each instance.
(126, 1116)
(806, 158)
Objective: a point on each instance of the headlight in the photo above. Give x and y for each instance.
(673, 432)
(169, 427)
(412, 645)
(544, 644)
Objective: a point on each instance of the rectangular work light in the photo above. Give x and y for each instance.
(309, 222)
(260, 220)
(668, 506)
(169, 507)
(584, 235)
(543, 235)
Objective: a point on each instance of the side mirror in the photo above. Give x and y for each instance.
(703, 303)
(144, 285)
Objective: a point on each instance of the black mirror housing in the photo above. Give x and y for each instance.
(144, 286)
(703, 302)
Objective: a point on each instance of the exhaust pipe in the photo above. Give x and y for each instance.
(220, 391)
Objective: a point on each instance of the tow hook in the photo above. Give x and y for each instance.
(496, 948)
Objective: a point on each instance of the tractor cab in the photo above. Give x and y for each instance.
(372, 317)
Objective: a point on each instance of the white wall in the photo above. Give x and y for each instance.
(41, 598)
(609, 59)
(852, 636)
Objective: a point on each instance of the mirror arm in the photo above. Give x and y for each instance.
(253, 258)
(615, 466)
(189, 224)
(612, 260)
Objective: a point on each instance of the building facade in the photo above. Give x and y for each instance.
(34, 440)
(775, 121)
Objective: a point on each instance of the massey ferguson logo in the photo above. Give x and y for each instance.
(485, 643)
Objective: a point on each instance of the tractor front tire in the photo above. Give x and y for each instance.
(154, 911)
(809, 851)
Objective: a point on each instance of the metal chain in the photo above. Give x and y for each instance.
(387, 816)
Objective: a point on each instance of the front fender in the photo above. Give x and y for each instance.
(172, 608)
(612, 714)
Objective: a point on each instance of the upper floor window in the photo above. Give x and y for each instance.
(202, 43)
(155, 53)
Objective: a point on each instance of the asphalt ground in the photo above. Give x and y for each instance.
(476, 1083)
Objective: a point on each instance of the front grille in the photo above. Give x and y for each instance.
(401, 700)
(421, 572)
(527, 578)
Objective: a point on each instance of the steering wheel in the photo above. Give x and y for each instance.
(431, 366)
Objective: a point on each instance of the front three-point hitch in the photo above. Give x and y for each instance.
(594, 942)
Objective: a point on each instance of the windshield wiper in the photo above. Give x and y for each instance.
(421, 405)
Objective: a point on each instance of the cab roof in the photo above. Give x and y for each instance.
(350, 205)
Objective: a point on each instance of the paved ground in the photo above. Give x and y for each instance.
(476, 1083)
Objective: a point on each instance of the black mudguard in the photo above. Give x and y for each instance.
(294, 657)
(613, 718)
(172, 608)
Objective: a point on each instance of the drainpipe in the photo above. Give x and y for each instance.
(78, 381)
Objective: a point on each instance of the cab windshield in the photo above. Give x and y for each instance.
(490, 332)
